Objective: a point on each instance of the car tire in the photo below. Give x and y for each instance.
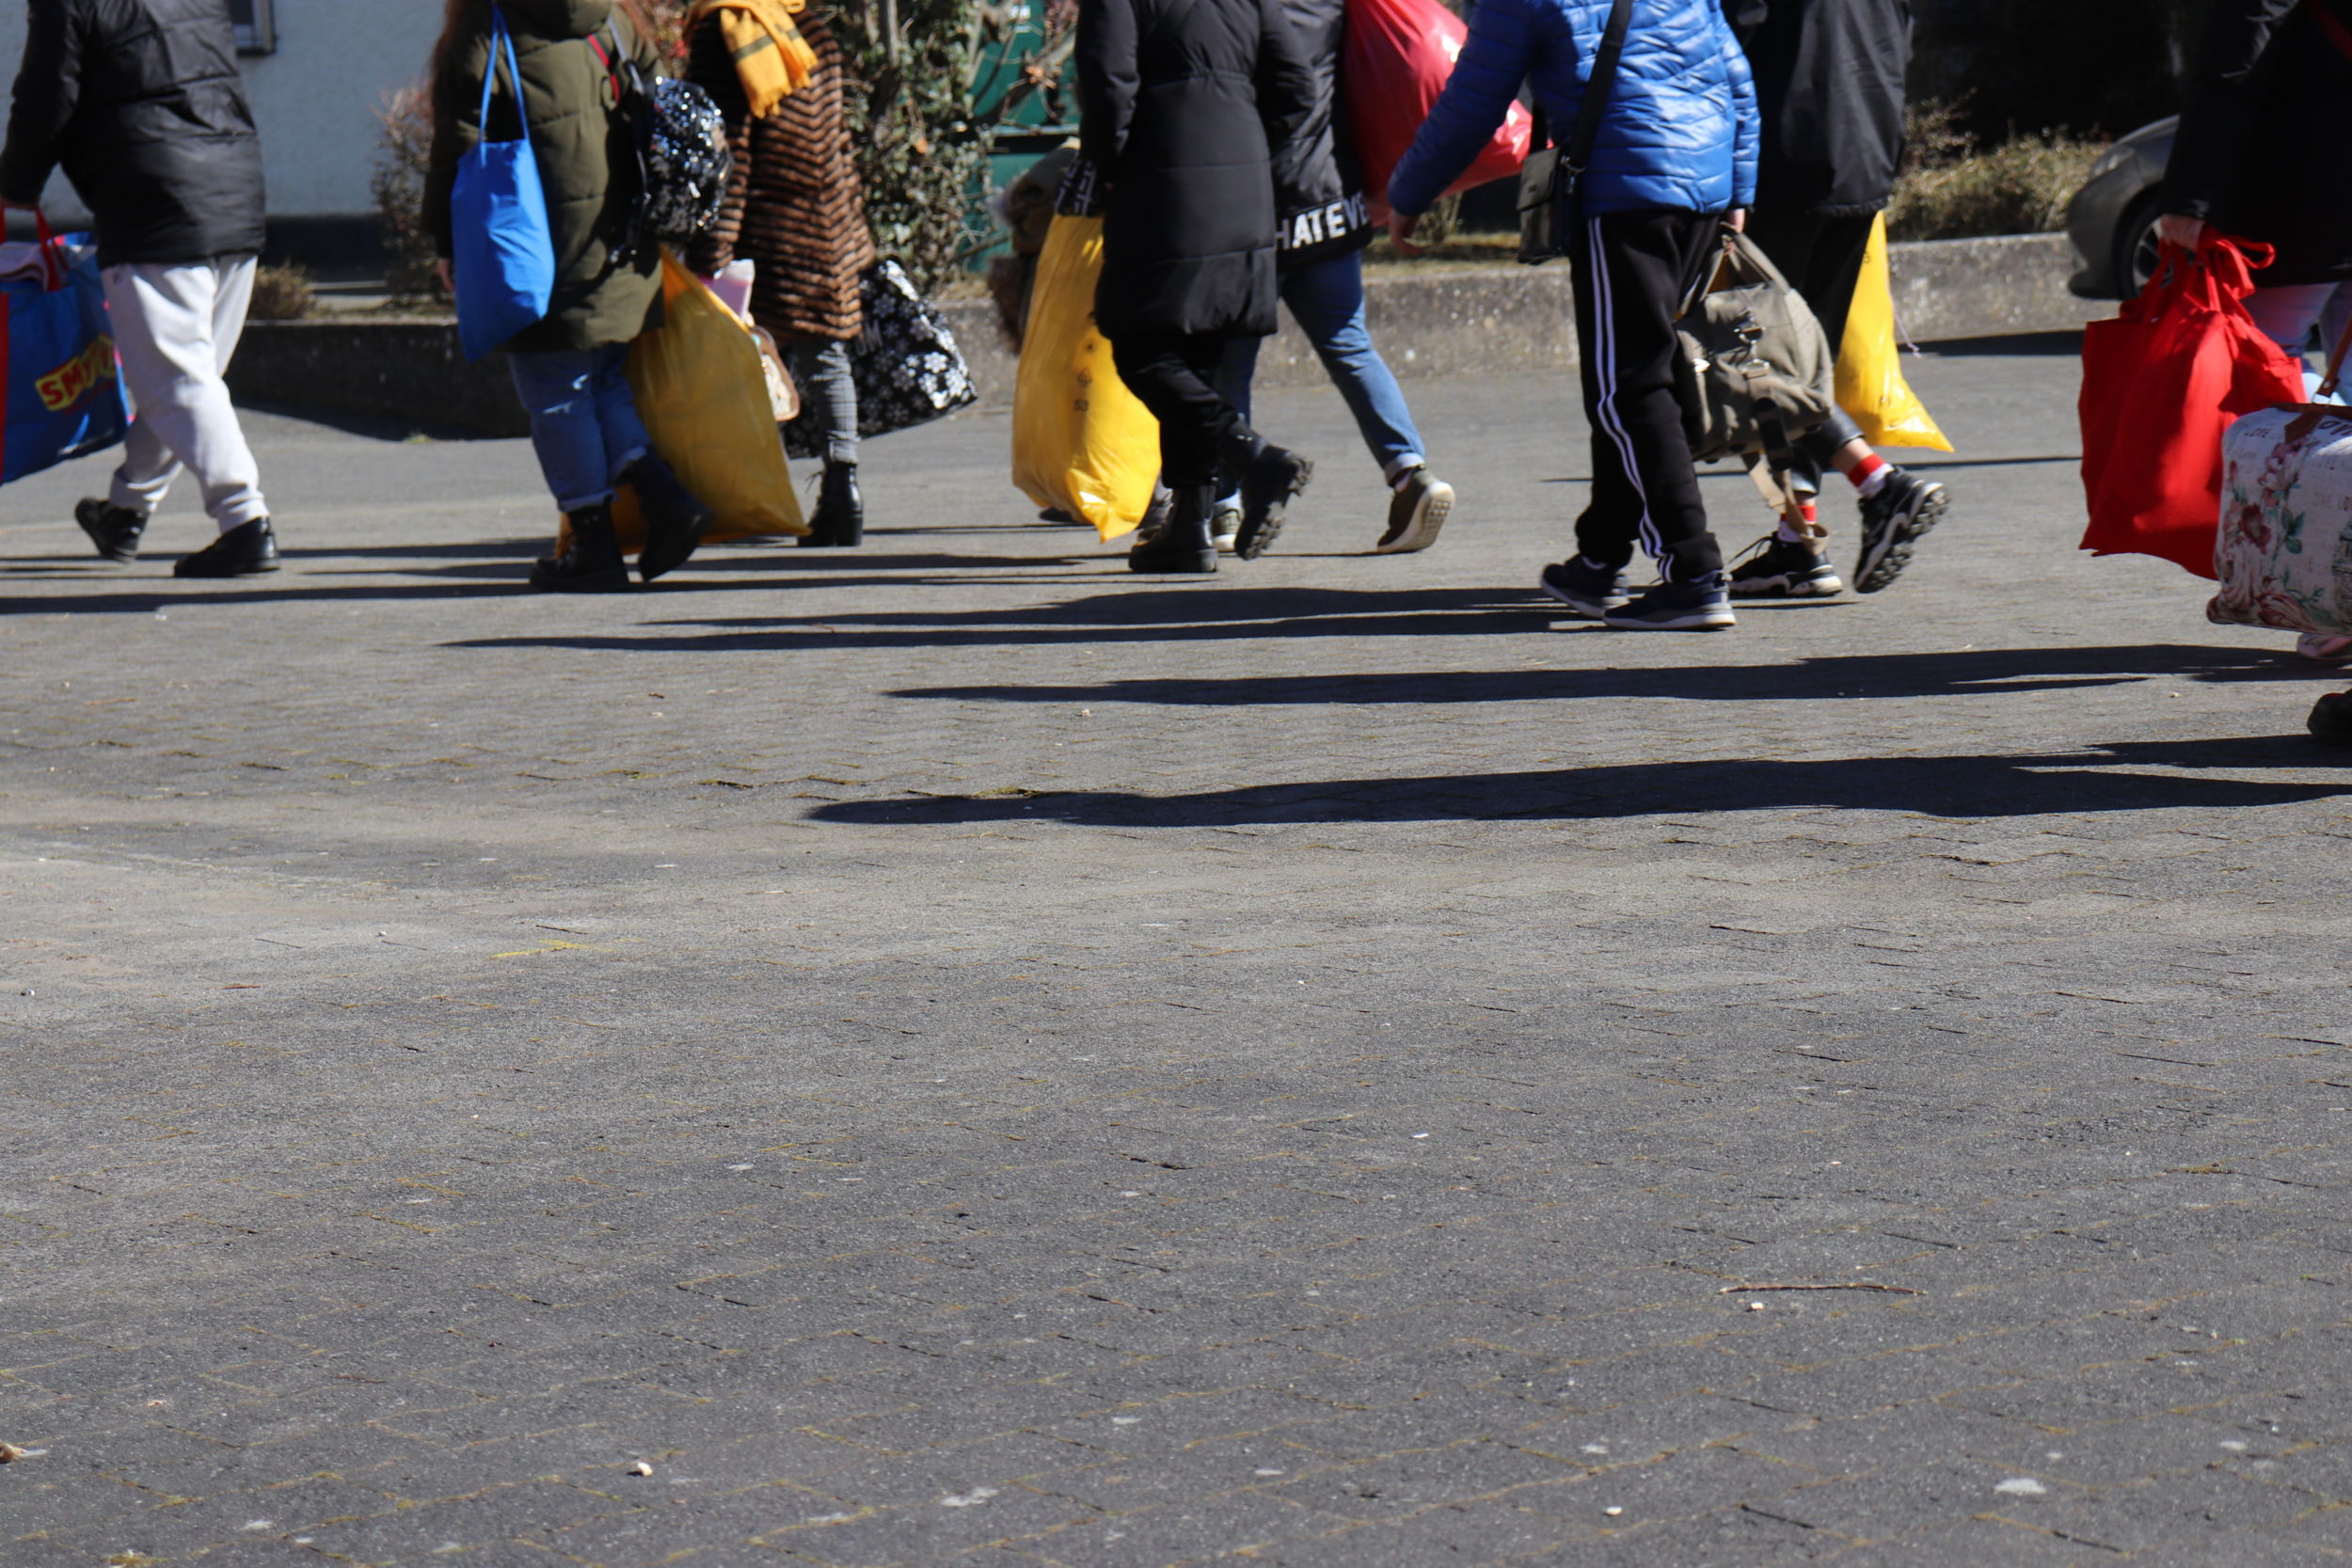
(2135, 243)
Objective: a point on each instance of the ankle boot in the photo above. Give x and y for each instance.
(593, 563)
(674, 518)
(1183, 544)
(840, 517)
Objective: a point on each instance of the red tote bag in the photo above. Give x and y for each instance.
(1397, 57)
(2161, 381)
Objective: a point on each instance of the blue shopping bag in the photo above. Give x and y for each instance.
(58, 361)
(505, 256)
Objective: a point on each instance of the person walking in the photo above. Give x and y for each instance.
(1180, 103)
(1323, 223)
(795, 208)
(2259, 156)
(140, 102)
(1673, 161)
(570, 367)
(1829, 89)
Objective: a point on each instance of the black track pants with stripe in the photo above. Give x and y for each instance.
(1632, 272)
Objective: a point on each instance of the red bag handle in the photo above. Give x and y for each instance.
(52, 252)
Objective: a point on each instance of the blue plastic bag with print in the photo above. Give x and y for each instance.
(57, 360)
(504, 253)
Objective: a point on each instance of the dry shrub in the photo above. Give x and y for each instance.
(1952, 188)
(403, 149)
(280, 294)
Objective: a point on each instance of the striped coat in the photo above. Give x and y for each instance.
(794, 205)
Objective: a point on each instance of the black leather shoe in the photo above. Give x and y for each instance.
(675, 516)
(839, 520)
(1273, 480)
(593, 564)
(247, 550)
(115, 530)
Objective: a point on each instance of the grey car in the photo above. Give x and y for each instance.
(2112, 219)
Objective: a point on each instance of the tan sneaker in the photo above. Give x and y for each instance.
(1416, 512)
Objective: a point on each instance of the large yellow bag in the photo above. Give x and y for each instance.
(1870, 384)
(703, 393)
(1080, 440)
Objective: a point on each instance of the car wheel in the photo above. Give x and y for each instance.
(2135, 244)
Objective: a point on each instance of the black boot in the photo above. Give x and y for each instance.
(593, 563)
(245, 551)
(839, 520)
(1270, 481)
(115, 530)
(1183, 544)
(675, 518)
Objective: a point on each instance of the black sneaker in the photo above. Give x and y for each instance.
(1777, 568)
(1701, 606)
(1587, 589)
(247, 550)
(1274, 479)
(2331, 722)
(1416, 512)
(1905, 507)
(115, 530)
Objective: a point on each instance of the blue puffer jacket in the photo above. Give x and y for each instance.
(1681, 126)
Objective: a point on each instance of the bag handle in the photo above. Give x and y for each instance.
(1598, 87)
(500, 35)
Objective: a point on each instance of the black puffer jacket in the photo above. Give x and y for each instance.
(1180, 101)
(2260, 149)
(1829, 88)
(141, 104)
(1319, 205)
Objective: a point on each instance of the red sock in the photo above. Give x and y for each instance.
(1864, 469)
(1812, 514)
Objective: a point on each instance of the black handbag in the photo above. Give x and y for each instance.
(906, 364)
(1548, 178)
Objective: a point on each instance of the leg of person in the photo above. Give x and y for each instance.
(675, 516)
(175, 328)
(1327, 299)
(1174, 375)
(116, 521)
(558, 390)
(829, 386)
(1236, 379)
(1631, 270)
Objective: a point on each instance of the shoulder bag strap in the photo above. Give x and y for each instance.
(1578, 155)
(2335, 362)
(500, 39)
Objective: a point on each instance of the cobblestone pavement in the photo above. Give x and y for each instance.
(951, 1054)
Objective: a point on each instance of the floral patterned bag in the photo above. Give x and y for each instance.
(907, 366)
(2283, 553)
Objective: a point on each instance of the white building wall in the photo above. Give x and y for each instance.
(314, 97)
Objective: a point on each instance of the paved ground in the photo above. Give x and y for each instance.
(952, 1055)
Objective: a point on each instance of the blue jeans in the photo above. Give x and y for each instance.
(1327, 299)
(584, 419)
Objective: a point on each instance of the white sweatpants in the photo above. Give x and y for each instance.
(175, 327)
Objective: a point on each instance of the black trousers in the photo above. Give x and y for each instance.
(1822, 257)
(1175, 375)
(1633, 270)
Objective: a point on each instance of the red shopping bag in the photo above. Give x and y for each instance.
(2161, 381)
(1398, 55)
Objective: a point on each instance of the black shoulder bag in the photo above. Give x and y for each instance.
(1549, 178)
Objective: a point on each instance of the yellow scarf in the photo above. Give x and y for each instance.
(770, 55)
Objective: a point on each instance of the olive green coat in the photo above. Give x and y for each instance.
(585, 154)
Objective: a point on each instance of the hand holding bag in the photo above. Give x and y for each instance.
(1549, 178)
(2162, 382)
(505, 255)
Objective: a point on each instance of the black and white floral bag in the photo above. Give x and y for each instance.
(907, 366)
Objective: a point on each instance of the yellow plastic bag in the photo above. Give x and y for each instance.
(703, 393)
(1080, 440)
(1870, 384)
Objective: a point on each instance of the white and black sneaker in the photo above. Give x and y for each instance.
(1586, 588)
(1416, 512)
(1225, 525)
(1700, 605)
(1777, 568)
(1894, 516)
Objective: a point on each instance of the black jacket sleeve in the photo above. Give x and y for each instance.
(1286, 82)
(2218, 109)
(1107, 80)
(47, 89)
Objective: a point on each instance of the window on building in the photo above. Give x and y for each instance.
(257, 31)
